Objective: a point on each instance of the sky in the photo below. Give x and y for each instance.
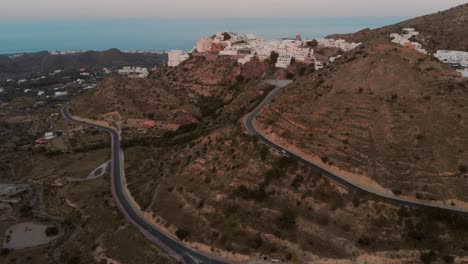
(172, 9)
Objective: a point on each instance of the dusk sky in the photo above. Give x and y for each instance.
(60, 9)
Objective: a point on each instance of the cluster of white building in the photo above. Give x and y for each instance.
(455, 58)
(66, 52)
(175, 57)
(458, 59)
(249, 46)
(407, 38)
(134, 72)
(144, 51)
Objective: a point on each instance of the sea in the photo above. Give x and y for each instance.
(164, 34)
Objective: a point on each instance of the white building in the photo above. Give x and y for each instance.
(404, 39)
(228, 52)
(252, 45)
(204, 44)
(137, 72)
(40, 93)
(176, 57)
(283, 62)
(245, 59)
(453, 57)
(57, 94)
(49, 135)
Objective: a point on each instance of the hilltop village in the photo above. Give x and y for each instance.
(247, 47)
(302, 50)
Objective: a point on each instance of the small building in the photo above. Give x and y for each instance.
(176, 57)
(49, 135)
(283, 62)
(62, 93)
(42, 141)
(149, 123)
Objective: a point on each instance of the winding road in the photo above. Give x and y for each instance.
(249, 124)
(174, 247)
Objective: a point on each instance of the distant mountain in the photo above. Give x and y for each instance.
(442, 30)
(46, 62)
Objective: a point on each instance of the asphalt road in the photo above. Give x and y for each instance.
(174, 247)
(250, 126)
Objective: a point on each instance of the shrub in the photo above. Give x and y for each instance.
(240, 78)
(462, 168)
(364, 241)
(51, 231)
(287, 219)
(428, 257)
(289, 75)
(182, 233)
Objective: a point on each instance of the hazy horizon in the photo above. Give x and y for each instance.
(154, 24)
(164, 34)
(154, 9)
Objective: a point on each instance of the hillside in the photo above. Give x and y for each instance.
(383, 111)
(135, 98)
(219, 186)
(45, 62)
(442, 30)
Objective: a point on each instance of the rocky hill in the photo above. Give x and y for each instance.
(442, 30)
(135, 98)
(383, 111)
(45, 62)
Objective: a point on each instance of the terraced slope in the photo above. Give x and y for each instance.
(383, 111)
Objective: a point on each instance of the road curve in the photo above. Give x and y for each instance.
(173, 246)
(249, 125)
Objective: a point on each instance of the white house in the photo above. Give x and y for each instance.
(245, 59)
(452, 57)
(176, 57)
(283, 62)
(204, 44)
(49, 135)
(57, 94)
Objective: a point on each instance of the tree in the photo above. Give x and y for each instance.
(274, 57)
(313, 43)
(226, 36)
